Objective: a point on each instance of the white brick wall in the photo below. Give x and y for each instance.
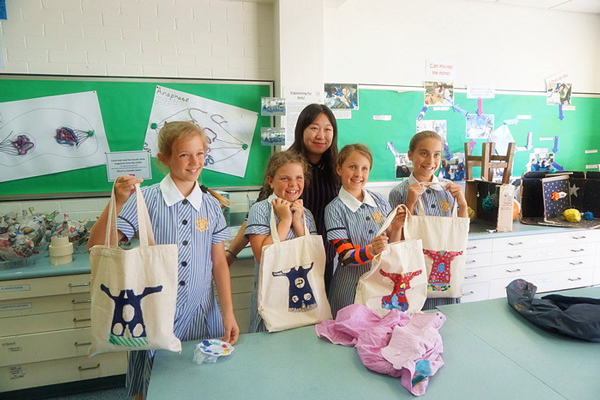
(154, 38)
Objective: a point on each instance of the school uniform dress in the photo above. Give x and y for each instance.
(194, 223)
(437, 202)
(348, 218)
(259, 223)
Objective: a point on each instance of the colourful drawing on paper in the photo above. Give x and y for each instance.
(439, 277)
(51, 134)
(229, 129)
(397, 299)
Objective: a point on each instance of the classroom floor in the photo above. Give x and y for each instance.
(106, 394)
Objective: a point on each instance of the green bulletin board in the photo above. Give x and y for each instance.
(579, 130)
(125, 105)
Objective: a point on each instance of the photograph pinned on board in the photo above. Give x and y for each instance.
(541, 160)
(272, 136)
(439, 94)
(341, 96)
(479, 126)
(272, 106)
(558, 93)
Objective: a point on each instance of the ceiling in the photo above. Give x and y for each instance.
(583, 6)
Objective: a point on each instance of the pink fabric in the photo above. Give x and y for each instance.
(395, 345)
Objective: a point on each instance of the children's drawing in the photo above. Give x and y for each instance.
(301, 296)
(479, 126)
(439, 277)
(397, 299)
(439, 94)
(128, 328)
(230, 129)
(51, 134)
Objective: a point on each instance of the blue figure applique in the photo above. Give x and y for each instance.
(129, 331)
(301, 297)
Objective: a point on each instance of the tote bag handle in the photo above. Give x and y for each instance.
(422, 207)
(145, 226)
(390, 218)
(273, 224)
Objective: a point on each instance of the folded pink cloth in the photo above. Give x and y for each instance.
(395, 345)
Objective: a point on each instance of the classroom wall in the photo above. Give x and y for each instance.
(512, 47)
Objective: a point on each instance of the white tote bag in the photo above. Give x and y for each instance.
(444, 247)
(397, 278)
(133, 291)
(291, 283)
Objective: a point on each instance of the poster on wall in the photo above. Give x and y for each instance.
(479, 126)
(439, 94)
(341, 96)
(558, 89)
(229, 128)
(296, 99)
(51, 134)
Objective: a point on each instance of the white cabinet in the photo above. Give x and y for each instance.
(45, 334)
(554, 260)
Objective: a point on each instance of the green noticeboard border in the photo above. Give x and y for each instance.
(396, 111)
(126, 104)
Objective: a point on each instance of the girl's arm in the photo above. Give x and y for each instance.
(456, 192)
(297, 215)
(394, 231)
(414, 192)
(237, 244)
(223, 282)
(124, 185)
(350, 254)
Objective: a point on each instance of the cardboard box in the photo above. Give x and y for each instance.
(492, 202)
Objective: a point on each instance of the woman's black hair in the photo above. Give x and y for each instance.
(306, 117)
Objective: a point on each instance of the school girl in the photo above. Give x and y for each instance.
(181, 213)
(284, 183)
(438, 195)
(352, 219)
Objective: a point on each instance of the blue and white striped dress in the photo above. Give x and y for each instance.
(259, 223)
(436, 203)
(194, 223)
(347, 218)
(436, 200)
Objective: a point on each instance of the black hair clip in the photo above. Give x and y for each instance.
(204, 188)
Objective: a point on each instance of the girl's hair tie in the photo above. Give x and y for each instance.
(204, 188)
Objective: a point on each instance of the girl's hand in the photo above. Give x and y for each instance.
(379, 243)
(232, 330)
(297, 208)
(282, 209)
(457, 193)
(124, 187)
(398, 221)
(414, 192)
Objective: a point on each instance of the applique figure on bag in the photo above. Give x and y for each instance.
(439, 278)
(129, 330)
(397, 299)
(301, 297)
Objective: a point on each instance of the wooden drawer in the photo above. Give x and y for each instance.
(42, 305)
(516, 270)
(478, 275)
(549, 253)
(37, 287)
(479, 246)
(478, 260)
(21, 376)
(27, 324)
(475, 292)
(44, 346)
(547, 282)
(546, 240)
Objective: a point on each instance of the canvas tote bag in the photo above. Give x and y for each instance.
(444, 247)
(397, 278)
(133, 291)
(291, 283)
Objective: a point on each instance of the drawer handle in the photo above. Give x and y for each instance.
(81, 301)
(81, 319)
(514, 257)
(578, 237)
(576, 263)
(515, 243)
(468, 293)
(471, 262)
(471, 276)
(513, 270)
(77, 344)
(575, 279)
(88, 368)
(577, 250)
(72, 285)
(471, 248)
